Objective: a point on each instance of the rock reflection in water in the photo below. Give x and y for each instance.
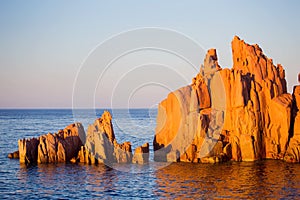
(268, 179)
(57, 181)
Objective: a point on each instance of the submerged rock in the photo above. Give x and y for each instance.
(246, 112)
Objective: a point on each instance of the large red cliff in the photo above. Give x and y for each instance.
(240, 114)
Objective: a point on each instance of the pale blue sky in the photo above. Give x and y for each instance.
(43, 43)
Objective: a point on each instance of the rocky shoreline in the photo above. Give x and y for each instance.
(239, 114)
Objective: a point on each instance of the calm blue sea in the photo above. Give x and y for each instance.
(256, 180)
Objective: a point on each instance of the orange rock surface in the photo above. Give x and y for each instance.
(241, 114)
(13, 155)
(73, 145)
(52, 148)
(141, 154)
(101, 145)
(293, 151)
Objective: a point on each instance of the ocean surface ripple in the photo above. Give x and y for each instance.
(255, 180)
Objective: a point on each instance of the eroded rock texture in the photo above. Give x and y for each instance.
(141, 154)
(101, 145)
(293, 151)
(52, 148)
(241, 114)
(73, 145)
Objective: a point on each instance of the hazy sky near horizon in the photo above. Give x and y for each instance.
(44, 43)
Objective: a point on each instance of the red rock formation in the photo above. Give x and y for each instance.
(72, 145)
(101, 145)
(28, 150)
(293, 151)
(61, 146)
(123, 152)
(141, 154)
(184, 117)
(14, 155)
(242, 114)
(52, 148)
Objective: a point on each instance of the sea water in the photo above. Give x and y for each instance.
(257, 180)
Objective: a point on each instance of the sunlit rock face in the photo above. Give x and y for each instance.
(241, 114)
(141, 154)
(101, 145)
(184, 118)
(293, 151)
(73, 145)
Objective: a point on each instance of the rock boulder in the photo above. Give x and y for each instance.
(141, 154)
(101, 145)
(52, 148)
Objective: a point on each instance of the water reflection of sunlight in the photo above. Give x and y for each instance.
(264, 179)
(229, 180)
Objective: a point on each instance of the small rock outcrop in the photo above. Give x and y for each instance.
(101, 145)
(141, 154)
(14, 155)
(73, 145)
(52, 148)
(240, 114)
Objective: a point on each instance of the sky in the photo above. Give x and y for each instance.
(52, 52)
